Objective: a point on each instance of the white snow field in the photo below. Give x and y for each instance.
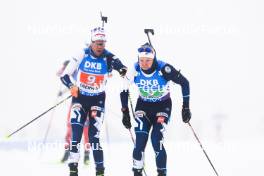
(184, 158)
(218, 45)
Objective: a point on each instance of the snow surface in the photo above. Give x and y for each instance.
(184, 158)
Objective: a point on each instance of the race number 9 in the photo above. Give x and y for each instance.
(91, 79)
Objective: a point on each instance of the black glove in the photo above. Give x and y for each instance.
(186, 113)
(126, 118)
(122, 71)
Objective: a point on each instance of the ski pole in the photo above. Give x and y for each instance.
(103, 18)
(131, 135)
(131, 105)
(52, 115)
(51, 119)
(147, 31)
(132, 109)
(8, 136)
(107, 133)
(202, 148)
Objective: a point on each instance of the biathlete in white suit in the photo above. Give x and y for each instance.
(93, 68)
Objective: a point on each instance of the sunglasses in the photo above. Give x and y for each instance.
(99, 44)
(98, 29)
(145, 49)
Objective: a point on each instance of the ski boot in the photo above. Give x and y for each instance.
(161, 173)
(137, 172)
(100, 172)
(86, 160)
(73, 169)
(65, 156)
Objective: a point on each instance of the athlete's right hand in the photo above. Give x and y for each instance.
(74, 91)
(126, 118)
(123, 71)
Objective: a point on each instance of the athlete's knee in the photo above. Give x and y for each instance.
(77, 115)
(97, 112)
(142, 122)
(162, 118)
(96, 117)
(159, 127)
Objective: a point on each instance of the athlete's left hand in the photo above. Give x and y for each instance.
(186, 113)
(74, 91)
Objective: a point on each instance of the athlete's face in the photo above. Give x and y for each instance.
(145, 62)
(98, 47)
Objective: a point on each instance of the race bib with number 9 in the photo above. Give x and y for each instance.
(91, 79)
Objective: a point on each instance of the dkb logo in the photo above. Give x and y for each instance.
(153, 82)
(93, 65)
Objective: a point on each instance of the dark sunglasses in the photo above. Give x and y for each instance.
(98, 29)
(99, 44)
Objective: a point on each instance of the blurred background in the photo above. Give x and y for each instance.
(217, 45)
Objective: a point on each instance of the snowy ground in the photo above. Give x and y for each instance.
(184, 159)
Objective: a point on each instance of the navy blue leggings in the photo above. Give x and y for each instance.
(91, 107)
(148, 115)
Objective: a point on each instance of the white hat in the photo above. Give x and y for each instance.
(146, 54)
(98, 33)
(146, 50)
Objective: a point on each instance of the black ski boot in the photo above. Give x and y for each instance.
(65, 156)
(137, 172)
(73, 169)
(161, 173)
(86, 160)
(100, 172)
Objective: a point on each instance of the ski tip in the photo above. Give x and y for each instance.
(7, 137)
